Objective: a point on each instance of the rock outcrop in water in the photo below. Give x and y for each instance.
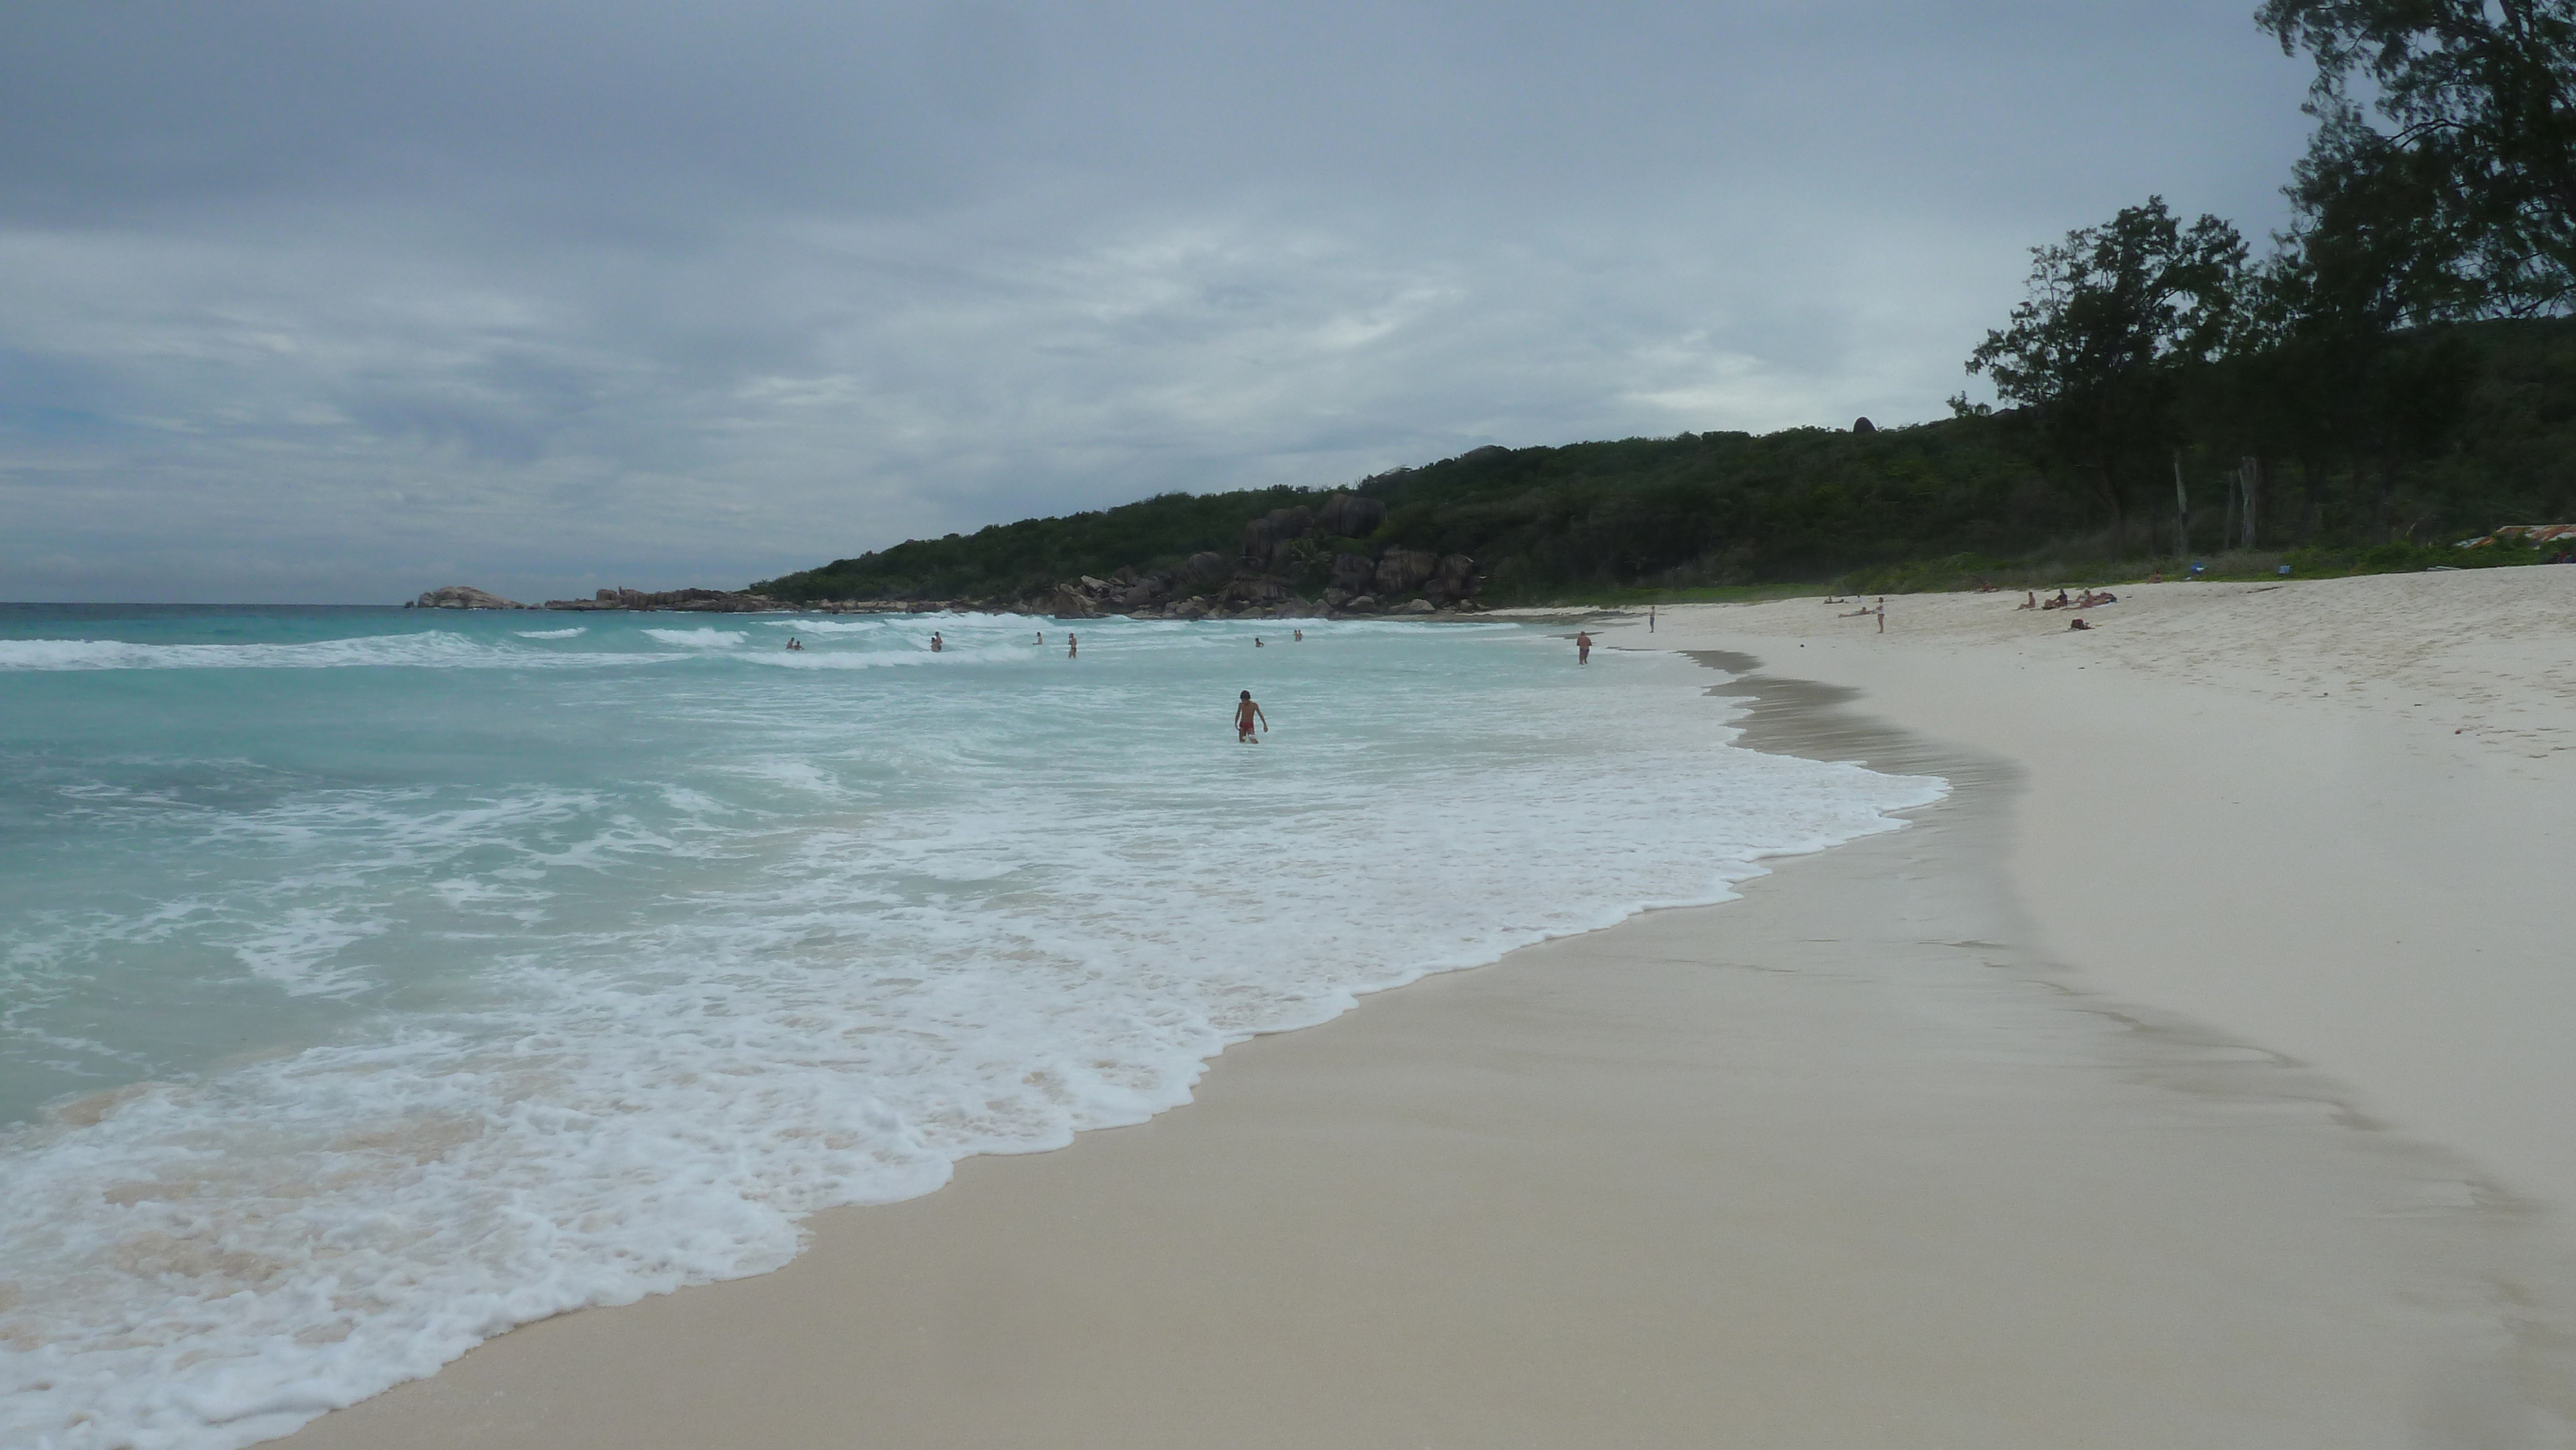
(695, 601)
(462, 596)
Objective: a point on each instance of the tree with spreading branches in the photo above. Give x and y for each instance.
(2475, 123)
(2115, 315)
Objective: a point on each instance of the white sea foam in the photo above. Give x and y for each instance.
(550, 633)
(299, 950)
(435, 648)
(879, 925)
(957, 651)
(699, 638)
(425, 649)
(827, 626)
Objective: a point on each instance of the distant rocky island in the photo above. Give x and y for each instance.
(705, 601)
(463, 596)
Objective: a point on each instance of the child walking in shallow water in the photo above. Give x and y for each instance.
(1246, 711)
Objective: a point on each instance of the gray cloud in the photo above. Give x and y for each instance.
(336, 301)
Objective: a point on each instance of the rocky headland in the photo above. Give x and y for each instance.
(699, 601)
(1294, 563)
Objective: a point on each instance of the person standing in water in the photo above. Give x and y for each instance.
(935, 644)
(1301, 636)
(1582, 648)
(1246, 711)
(1072, 646)
(1650, 619)
(1256, 642)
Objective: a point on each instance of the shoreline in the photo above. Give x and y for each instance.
(2332, 818)
(1843, 1162)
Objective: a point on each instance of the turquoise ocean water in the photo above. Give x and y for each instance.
(374, 980)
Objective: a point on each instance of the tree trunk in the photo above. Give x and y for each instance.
(2311, 501)
(2109, 487)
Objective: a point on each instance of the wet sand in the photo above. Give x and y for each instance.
(1852, 1162)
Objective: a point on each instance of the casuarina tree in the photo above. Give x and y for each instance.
(2475, 122)
(2116, 313)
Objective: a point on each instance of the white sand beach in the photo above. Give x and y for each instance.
(2197, 1074)
(2335, 818)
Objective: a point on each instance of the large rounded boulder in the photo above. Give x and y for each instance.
(1353, 573)
(1402, 571)
(1350, 516)
(1455, 578)
(1263, 536)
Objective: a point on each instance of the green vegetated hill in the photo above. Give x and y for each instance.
(1927, 506)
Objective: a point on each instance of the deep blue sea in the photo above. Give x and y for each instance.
(372, 981)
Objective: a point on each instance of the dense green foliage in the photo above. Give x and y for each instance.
(1920, 507)
(2451, 127)
(1031, 556)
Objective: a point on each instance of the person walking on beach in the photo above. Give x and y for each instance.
(1582, 648)
(1650, 619)
(1072, 646)
(1246, 711)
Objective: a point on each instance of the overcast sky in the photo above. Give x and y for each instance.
(338, 300)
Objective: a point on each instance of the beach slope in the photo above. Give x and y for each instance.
(1924, 1142)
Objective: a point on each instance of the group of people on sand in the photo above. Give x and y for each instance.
(2089, 599)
